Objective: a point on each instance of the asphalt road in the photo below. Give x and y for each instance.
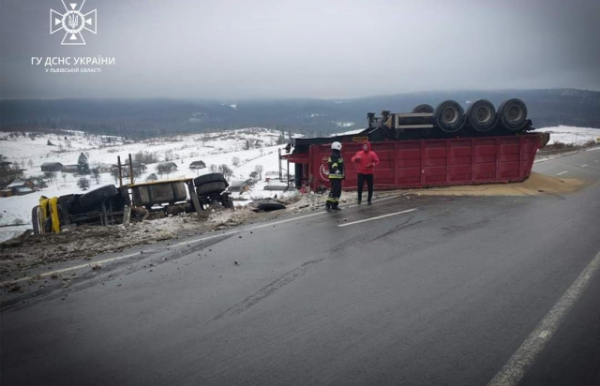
(444, 294)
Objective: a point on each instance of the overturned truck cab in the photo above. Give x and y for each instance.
(109, 205)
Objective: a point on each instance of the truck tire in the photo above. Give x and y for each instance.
(215, 187)
(210, 177)
(228, 203)
(97, 196)
(268, 206)
(513, 114)
(481, 115)
(449, 116)
(424, 108)
(35, 219)
(70, 204)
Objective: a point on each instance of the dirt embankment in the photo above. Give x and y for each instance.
(29, 250)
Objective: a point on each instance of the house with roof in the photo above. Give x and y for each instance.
(21, 187)
(70, 168)
(52, 167)
(198, 165)
(166, 167)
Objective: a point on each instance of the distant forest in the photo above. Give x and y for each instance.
(148, 118)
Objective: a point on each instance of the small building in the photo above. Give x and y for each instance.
(106, 168)
(198, 165)
(271, 175)
(52, 167)
(167, 167)
(70, 168)
(18, 183)
(20, 187)
(6, 193)
(22, 190)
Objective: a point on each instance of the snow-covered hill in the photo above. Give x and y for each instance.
(572, 135)
(245, 147)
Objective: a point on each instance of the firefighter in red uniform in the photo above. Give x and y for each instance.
(336, 175)
(366, 159)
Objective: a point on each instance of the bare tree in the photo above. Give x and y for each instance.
(259, 169)
(50, 176)
(114, 172)
(226, 170)
(96, 175)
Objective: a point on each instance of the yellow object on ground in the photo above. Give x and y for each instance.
(49, 208)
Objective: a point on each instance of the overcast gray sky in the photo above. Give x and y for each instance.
(226, 49)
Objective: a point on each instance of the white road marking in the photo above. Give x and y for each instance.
(377, 217)
(583, 166)
(561, 173)
(516, 367)
(203, 239)
(117, 258)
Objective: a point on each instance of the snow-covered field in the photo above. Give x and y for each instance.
(571, 135)
(212, 148)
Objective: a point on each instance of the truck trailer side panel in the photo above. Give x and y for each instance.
(435, 162)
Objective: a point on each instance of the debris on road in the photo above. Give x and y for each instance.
(536, 184)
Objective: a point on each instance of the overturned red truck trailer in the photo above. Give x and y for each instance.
(415, 153)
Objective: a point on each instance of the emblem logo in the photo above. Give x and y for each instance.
(73, 22)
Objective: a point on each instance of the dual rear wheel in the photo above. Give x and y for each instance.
(481, 115)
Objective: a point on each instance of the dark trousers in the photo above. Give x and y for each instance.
(361, 182)
(334, 194)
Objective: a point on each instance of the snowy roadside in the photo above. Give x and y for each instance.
(29, 251)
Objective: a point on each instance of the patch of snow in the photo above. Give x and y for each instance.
(350, 132)
(571, 134)
(343, 124)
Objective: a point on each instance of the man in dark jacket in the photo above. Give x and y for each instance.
(336, 175)
(366, 159)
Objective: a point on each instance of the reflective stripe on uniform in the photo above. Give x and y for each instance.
(336, 176)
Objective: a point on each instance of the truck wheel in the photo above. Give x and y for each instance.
(449, 116)
(228, 203)
(97, 196)
(513, 114)
(215, 187)
(268, 206)
(35, 220)
(210, 177)
(424, 108)
(481, 115)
